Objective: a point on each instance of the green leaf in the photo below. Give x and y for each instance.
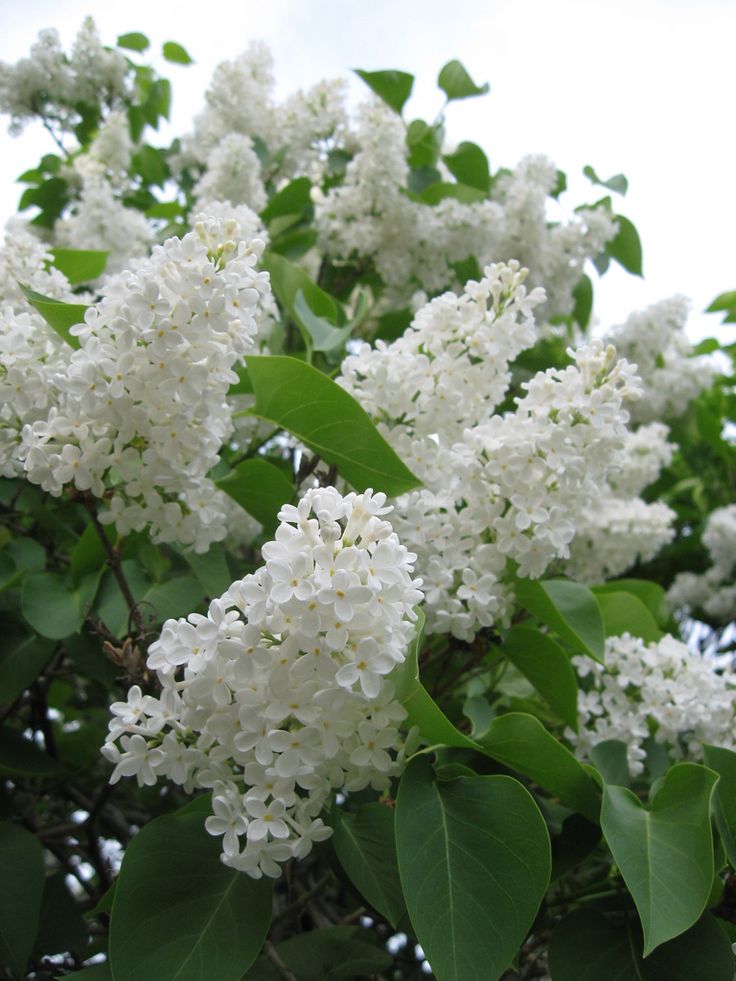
(625, 613)
(723, 762)
(165, 209)
(294, 199)
(23, 656)
(135, 41)
(22, 757)
(88, 555)
(455, 82)
(21, 859)
(260, 488)
(585, 946)
(365, 845)
(569, 608)
(611, 759)
(61, 926)
(324, 337)
(150, 163)
(424, 143)
(211, 570)
(176, 53)
(469, 165)
(330, 422)
(521, 742)
(60, 316)
(208, 921)
(287, 279)
(331, 953)
(617, 183)
(172, 598)
(80, 265)
(724, 301)
(664, 853)
(441, 190)
(548, 668)
(583, 297)
(394, 87)
(625, 248)
(52, 606)
(474, 860)
(9, 573)
(650, 593)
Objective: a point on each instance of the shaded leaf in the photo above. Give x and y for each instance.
(548, 668)
(260, 488)
(21, 860)
(569, 608)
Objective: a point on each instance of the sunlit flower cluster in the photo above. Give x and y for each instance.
(279, 695)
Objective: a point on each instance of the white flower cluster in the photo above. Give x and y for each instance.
(53, 85)
(618, 528)
(279, 695)
(655, 339)
(142, 410)
(554, 252)
(714, 591)
(498, 487)
(233, 174)
(32, 355)
(662, 690)
(240, 102)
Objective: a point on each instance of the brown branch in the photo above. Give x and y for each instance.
(272, 955)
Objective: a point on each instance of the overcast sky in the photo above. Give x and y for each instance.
(643, 87)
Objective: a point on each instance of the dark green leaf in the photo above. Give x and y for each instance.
(208, 921)
(176, 53)
(331, 953)
(21, 860)
(52, 606)
(441, 190)
(456, 83)
(62, 927)
(88, 555)
(424, 143)
(570, 609)
(625, 613)
(80, 265)
(583, 297)
(134, 41)
(469, 165)
(420, 178)
(330, 422)
(260, 488)
(22, 757)
(150, 163)
(211, 569)
(365, 844)
(664, 853)
(548, 668)
(521, 742)
(60, 316)
(394, 87)
(474, 859)
(28, 554)
(625, 248)
(23, 656)
(172, 598)
(723, 762)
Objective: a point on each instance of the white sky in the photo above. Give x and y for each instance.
(645, 88)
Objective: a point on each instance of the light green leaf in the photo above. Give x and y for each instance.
(723, 762)
(323, 335)
(625, 613)
(260, 488)
(441, 190)
(583, 297)
(80, 265)
(330, 422)
(60, 316)
(617, 183)
(456, 83)
(650, 593)
(625, 248)
(469, 165)
(724, 301)
(365, 845)
(209, 921)
(664, 853)
(548, 668)
(294, 199)
(474, 860)
(611, 760)
(394, 87)
(21, 860)
(569, 608)
(134, 41)
(176, 53)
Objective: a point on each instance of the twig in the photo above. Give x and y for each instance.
(299, 904)
(273, 956)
